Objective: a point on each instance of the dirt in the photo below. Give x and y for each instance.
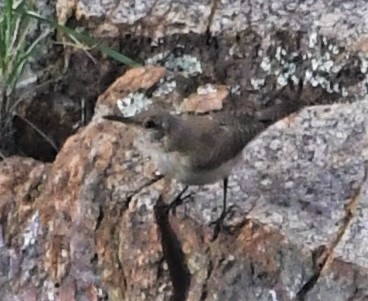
(61, 108)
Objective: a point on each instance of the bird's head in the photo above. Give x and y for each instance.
(154, 124)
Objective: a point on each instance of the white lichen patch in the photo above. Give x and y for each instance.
(266, 64)
(257, 83)
(133, 104)
(158, 58)
(187, 65)
(236, 89)
(322, 61)
(31, 232)
(206, 89)
(313, 39)
(273, 295)
(166, 87)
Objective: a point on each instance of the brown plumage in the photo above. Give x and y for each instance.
(195, 150)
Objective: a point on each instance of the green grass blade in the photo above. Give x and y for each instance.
(2, 27)
(116, 55)
(22, 59)
(18, 41)
(8, 23)
(89, 41)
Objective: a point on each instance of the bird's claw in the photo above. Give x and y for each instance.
(178, 201)
(219, 223)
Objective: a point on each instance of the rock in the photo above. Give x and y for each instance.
(346, 269)
(132, 81)
(21, 182)
(87, 228)
(161, 18)
(208, 98)
(312, 189)
(253, 48)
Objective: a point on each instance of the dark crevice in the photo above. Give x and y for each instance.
(173, 253)
(324, 258)
(94, 259)
(319, 261)
(100, 218)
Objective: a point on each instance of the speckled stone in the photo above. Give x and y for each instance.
(348, 19)
(307, 176)
(302, 189)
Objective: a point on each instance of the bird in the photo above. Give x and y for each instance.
(193, 149)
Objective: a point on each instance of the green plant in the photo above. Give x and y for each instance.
(83, 38)
(15, 50)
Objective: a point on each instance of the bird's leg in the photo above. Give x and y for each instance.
(178, 200)
(218, 223)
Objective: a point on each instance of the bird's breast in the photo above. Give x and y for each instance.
(174, 165)
(178, 166)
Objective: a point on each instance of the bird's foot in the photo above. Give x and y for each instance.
(178, 201)
(219, 223)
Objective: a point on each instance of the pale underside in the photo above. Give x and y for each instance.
(174, 165)
(200, 151)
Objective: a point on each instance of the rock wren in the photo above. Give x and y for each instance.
(195, 150)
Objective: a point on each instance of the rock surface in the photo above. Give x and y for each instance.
(86, 227)
(161, 18)
(254, 48)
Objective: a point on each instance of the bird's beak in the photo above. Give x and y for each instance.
(126, 120)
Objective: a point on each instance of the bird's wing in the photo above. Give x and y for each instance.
(224, 142)
(278, 111)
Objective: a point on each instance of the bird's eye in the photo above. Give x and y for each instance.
(149, 124)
